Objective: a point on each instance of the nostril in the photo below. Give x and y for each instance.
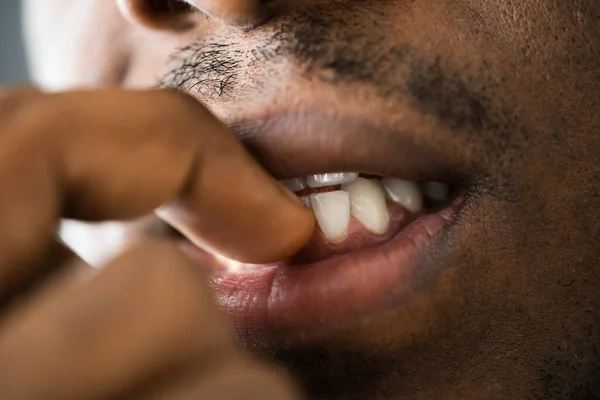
(175, 15)
(167, 6)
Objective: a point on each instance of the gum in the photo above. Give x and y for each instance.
(356, 237)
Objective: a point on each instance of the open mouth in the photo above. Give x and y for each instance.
(371, 235)
(357, 211)
(377, 223)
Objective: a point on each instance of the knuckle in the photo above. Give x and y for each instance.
(179, 98)
(184, 105)
(15, 97)
(32, 122)
(16, 106)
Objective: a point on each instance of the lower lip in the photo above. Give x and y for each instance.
(321, 295)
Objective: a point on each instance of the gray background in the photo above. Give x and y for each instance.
(13, 68)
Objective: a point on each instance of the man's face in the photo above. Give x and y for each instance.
(499, 98)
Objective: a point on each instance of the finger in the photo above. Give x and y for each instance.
(58, 259)
(115, 154)
(242, 382)
(237, 379)
(8, 93)
(148, 313)
(12, 99)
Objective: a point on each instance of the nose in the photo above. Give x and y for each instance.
(180, 14)
(237, 13)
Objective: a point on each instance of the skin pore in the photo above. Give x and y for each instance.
(506, 94)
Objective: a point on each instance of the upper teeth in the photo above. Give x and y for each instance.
(336, 178)
(364, 199)
(295, 184)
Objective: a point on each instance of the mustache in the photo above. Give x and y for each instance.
(208, 70)
(327, 47)
(335, 49)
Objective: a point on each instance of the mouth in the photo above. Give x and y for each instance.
(376, 226)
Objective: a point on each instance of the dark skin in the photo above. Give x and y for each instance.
(138, 328)
(507, 96)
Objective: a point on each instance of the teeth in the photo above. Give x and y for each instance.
(296, 184)
(365, 199)
(407, 193)
(436, 191)
(306, 201)
(368, 204)
(336, 178)
(332, 212)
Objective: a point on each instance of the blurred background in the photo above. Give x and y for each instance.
(13, 68)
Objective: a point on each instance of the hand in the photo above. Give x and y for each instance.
(145, 327)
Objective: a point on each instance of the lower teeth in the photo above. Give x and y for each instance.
(363, 199)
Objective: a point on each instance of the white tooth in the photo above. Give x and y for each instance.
(306, 201)
(335, 178)
(332, 211)
(439, 192)
(407, 193)
(295, 184)
(367, 204)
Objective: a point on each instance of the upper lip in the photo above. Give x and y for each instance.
(298, 299)
(291, 145)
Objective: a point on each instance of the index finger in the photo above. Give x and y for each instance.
(115, 154)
